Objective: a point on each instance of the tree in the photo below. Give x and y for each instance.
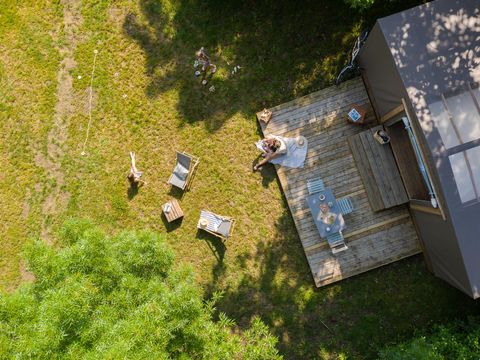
(360, 4)
(117, 297)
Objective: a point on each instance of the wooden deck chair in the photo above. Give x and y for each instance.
(345, 205)
(221, 226)
(184, 170)
(315, 186)
(336, 242)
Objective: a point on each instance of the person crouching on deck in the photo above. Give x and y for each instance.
(272, 147)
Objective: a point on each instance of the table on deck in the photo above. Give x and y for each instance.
(314, 203)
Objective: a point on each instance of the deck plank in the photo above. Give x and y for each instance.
(366, 173)
(393, 175)
(374, 238)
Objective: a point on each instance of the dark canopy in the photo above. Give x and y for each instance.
(430, 56)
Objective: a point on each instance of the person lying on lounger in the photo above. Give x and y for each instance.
(272, 146)
(134, 177)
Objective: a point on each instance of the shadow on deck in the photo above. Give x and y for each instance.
(374, 238)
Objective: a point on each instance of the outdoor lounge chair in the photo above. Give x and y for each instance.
(336, 242)
(221, 226)
(315, 185)
(184, 170)
(345, 205)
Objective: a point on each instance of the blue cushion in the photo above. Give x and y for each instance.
(180, 171)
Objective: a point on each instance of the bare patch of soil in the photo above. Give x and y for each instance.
(116, 16)
(26, 204)
(57, 198)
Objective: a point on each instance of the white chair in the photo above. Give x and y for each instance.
(184, 170)
(337, 242)
(345, 205)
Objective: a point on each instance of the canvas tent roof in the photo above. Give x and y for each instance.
(430, 56)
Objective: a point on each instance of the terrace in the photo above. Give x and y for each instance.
(374, 238)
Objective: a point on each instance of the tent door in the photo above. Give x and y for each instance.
(391, 115)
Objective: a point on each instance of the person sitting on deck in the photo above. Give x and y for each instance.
(272, 146)
(134, 177)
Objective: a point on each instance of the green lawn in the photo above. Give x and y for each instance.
(146, 99)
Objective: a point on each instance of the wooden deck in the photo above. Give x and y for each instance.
(374, 238)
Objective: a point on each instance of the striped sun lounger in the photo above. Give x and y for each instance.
(217, 225)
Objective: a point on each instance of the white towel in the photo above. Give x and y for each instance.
(259, 145)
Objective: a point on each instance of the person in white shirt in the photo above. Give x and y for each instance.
(272, 146)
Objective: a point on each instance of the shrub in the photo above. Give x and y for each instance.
(456, 341)
(117, 297)
(360, 4)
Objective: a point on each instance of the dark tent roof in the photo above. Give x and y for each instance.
(430, 55)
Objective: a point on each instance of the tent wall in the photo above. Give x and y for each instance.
(440, 243)
(438, 236)
(380, 74)
(435, 47)
(447, 256)
(470, 249)
(465, 221)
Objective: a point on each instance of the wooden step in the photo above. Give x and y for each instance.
(378, 170)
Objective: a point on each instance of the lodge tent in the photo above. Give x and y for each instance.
(427, 60)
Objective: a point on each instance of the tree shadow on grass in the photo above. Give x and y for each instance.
(218, 248)
(284, 51)
(355, 317)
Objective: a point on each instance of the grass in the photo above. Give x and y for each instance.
(146, 99)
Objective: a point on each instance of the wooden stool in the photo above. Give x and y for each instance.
(175, 211)
(356, 115)
(264, 116)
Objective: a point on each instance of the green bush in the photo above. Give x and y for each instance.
(360, 4)
(456, 341)
(117, 297)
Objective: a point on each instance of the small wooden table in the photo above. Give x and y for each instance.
(175, 212)
(357, 109)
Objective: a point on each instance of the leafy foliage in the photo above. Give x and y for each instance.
(360, 4)
(457, 341)
(117, 297)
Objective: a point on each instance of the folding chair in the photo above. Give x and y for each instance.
(184, 170)
(345, 205)
(336, 242)
(315, 185)
(221, 226)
